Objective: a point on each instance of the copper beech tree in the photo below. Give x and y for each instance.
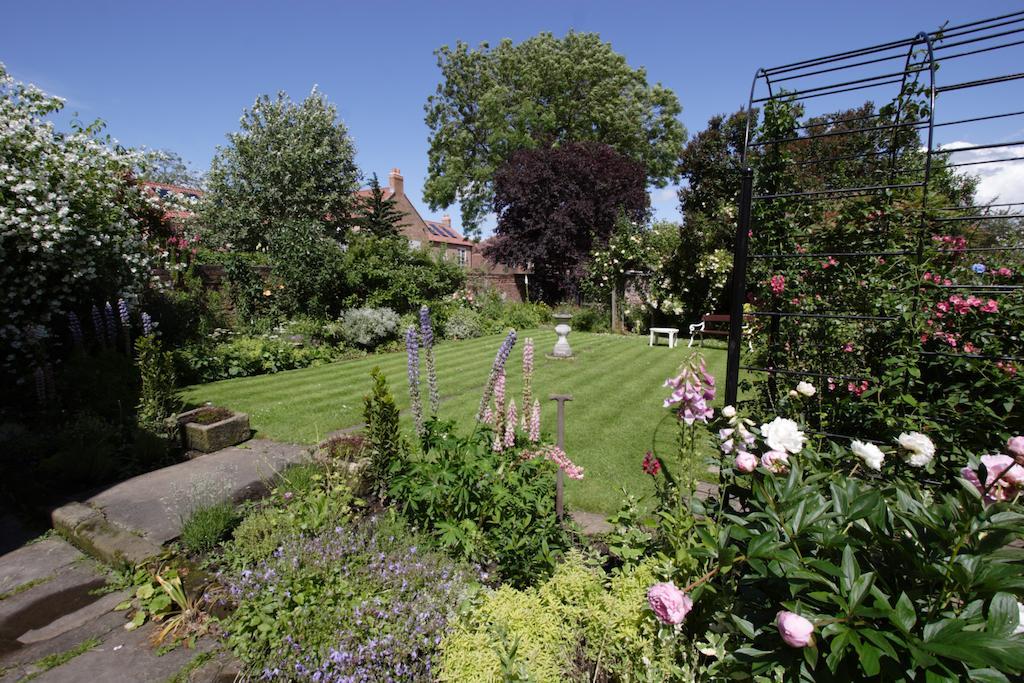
(555, 205)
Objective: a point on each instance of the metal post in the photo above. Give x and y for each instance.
(615, 307)
(559, 477)
(739, 287)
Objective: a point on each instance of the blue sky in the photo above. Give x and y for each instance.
(177, 75)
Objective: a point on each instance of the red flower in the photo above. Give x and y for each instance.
(651, 464)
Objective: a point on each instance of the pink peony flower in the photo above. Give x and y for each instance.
(794, 629)
(746, 462)
(1003, 478)
(670, 604)
(776, 461)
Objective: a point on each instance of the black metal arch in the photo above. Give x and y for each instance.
(872, 69)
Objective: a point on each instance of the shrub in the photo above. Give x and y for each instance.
(384, 444)
(368, 327)
(887, 572)
(207, 526)
(247, 356)
(385, 272)
(85, 451)
(463, 323)
(71, 220)
(306, 500)
(361, 602)
(492, 509)
(525, 316)
(578, 625)
(159, 397)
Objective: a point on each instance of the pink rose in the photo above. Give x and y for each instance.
(746, 462)
(794, 629)
(670, 604)
(1015, 445)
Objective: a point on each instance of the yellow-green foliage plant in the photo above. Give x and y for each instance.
(579, 625)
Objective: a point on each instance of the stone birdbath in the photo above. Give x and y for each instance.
(562, 329)
(211, 428)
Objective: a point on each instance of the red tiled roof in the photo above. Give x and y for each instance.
(368, 192)
(179, 189)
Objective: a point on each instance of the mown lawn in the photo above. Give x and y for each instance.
(615, 382)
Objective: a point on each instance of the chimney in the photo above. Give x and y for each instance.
(446, 221)
(396, 182)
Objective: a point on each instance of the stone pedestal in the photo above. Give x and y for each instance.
(562, 329)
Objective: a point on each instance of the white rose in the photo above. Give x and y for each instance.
(1020, 619)
(729, 412)
(782, 434)
(806, 388)
(871, 454)
(792, 393)
(920, 448)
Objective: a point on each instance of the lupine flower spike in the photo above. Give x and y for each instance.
(75, 328)
(497, 368)
(412, 348)
(427, 334)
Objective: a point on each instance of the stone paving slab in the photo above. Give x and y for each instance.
(125, 656)
(35, 562)
(155, 504)
(18, 664)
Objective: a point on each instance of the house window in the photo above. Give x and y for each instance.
(462, 256)
(414, 244)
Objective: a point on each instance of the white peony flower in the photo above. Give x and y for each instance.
(782, 434)
(920, 449)
(806, 388)
(729, 412)
(871, 454)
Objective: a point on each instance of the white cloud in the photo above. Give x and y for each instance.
(664, 194)
(1000, 181)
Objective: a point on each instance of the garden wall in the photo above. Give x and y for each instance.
(512, 286)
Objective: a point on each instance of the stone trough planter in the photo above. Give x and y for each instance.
(209, 428)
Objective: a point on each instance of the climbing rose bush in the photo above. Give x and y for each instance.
(70, 228)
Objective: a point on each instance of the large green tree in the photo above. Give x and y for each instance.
(543, 92)
(289, 164)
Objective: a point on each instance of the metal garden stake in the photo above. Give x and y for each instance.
(559, 477)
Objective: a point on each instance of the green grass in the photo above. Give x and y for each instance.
(53, 661)
(207, 526)
(615, 382)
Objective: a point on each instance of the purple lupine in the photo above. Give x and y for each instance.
(412, 350)
(527, 373)
(535, 422)
(122, 313)
(111, 324)
(75, 328)
(97, 326)
(147, 324)
(427, 332)
(497, 368)
(499, 413)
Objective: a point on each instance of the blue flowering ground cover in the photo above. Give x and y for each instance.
(365, 601)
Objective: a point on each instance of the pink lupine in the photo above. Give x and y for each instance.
(535, 422)
(510, 425)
